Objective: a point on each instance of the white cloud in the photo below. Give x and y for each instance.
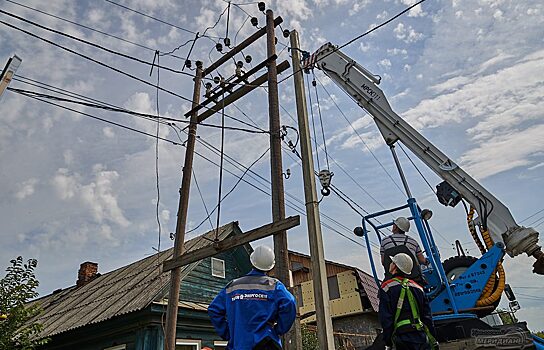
(416, 11)
(108, 132)
(98, 195)
(407, 34)
(504, 152)
(26, 188)
(165, 214)
(385, 64)
(358, 5)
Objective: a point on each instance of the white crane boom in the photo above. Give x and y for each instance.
(362, 86)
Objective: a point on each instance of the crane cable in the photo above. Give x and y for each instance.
(492, 290)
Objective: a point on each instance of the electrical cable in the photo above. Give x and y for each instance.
(203, 201)
(313, 122)
(221, 161)
(359, 136)
(321, 122)
(157, 159)
(221, 199)
(417, 168)
(126, 111)
(533, 215)
(151, 17)
(91, 43)
(90, 28)
(362, 35)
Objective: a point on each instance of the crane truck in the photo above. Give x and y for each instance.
(461, 289)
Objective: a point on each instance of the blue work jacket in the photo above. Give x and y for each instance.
(252, 308)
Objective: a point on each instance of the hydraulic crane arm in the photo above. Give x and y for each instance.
(362, 86)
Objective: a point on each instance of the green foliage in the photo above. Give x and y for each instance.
(309, 338)
(507, 317)
(17, 330)
(540, 334)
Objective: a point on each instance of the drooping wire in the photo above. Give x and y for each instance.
(417, 168)
(114, 52)
(228, 20)
(313, 121)
(222, 157)
(208, 215)
(129, 112)
(151, 17)
(321, 122)
(240, 179)
(157, 156)
(359, 136)
(360, 36)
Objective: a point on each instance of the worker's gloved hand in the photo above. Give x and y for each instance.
(388, 347)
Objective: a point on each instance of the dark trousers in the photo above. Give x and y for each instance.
(411, 341)
(267, 344)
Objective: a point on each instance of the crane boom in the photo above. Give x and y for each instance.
(362, 86)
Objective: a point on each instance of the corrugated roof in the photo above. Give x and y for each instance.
(370, 287)
(127, 289)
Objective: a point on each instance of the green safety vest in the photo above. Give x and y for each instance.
(416, 323)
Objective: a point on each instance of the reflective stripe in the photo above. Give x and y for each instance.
(389, 284)
(251, 283)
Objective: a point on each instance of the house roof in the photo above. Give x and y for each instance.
(127, 289)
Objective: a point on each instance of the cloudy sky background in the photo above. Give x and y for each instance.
(469, 74)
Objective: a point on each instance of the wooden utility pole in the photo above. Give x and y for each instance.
(279, 224)
(319, 271)
(276, 178)
(175, 274)
(291, 340)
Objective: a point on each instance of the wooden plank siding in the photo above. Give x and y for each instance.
(201, 287)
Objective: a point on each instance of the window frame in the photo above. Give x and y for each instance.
(196, 342)
(224, 270)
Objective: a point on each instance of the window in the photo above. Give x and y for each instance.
(188, 344)
(117, 347)
(334, 291)
(218, 268)
(220, 345)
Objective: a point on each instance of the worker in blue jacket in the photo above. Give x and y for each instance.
(405, 314)
(253, 311)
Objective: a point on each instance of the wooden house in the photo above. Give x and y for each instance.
(125, 309)
(353, 298)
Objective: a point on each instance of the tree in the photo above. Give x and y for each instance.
(309, 338)
(18, 328)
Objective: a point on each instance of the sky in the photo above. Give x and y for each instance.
(467, 74)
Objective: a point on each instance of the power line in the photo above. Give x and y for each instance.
(359, 136)
(92, 44)
(157, 159)
(151, 17)
(89, 28)
(221, 199)
(362, 35)
(533, 215)
(126, 111)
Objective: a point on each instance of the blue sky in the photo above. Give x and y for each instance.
(467, 74)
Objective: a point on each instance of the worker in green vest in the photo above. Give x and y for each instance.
(405, 314)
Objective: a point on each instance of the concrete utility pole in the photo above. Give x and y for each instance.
(175, 275)
(319, 271)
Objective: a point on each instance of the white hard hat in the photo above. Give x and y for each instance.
(403, 262)
(402, 223)
(263, 258)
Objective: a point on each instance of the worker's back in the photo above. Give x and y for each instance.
(251, 310)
